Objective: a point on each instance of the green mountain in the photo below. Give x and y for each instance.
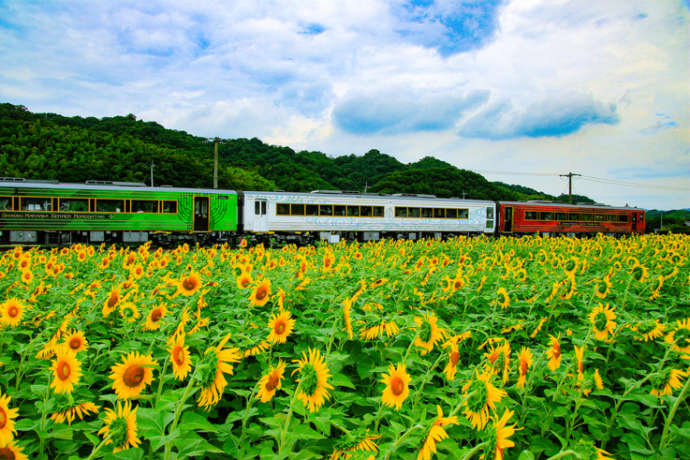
(76, 149)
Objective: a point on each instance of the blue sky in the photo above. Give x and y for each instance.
(535, 88)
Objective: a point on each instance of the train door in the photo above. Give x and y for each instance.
(201, 213)
(640, 223)
(260, 217)
(507, 219)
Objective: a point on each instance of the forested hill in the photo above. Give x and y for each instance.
(76, 149)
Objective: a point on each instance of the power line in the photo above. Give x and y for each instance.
(606, 181)
(513, 173)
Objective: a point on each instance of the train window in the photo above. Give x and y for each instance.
(561, 216)
(439, 213)
(5, 203)
(412, 212)
(297, 209)
(326, 210)
(400, 211)
(282, 209)
(489, 223)
(574, 217)
(353, 211)
(546, 216)
(110, 205)
(599, 217)
(170, 207)
(623, 218)
(339, 210)
(74, 204)
(452, 213)
(490, 213)
(427, 212)
(531, 215)
(378, 211)
(365, 211)
(312, 210)
(35, 204)
(144, 206)
(463, 213)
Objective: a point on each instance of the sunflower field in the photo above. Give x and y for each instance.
(470, 347)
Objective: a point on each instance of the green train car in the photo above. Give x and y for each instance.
(46, 212)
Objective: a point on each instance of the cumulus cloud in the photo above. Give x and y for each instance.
(402, 110)
(551, 117)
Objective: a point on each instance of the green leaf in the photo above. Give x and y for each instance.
(341, 380)
(192, 445)
(194, 421)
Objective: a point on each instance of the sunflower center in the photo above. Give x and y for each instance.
(244, 282)
(134, 375)
(75, 343)
(309, 380)
(118, 431)
(523, 367)
(63, 370)
(189, 284)
(602, 288)
(682, 337)
(638, 273)
(279, 327)
(112, 301)
(6, 453)
(454, 358)
(600, 321)
(178, 355)
(261, 293)
(3, 418)
(397, 385)
(13, 311)
(156, 315)
(457, 284)
(273, 381)
(646, 327)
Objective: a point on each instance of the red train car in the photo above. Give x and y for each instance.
(532, 217)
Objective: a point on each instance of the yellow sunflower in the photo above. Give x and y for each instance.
(244, 280)
(132, 375)
(500, 434)
(70, 414)
(27, 276)
(602, 319)
(189, 285)
(76, 341)
(579, 356)
(503, 297)
(154, 317)
(525, 361)
(216, 361)
(121, 427)
(7, 417)
(12, 451)
(260, 294)
(12, 311)
(639, 273)
(281, 326)
(648, 330)
(499, 358)
(436, 434)
(554, 353)
(483, 395)
(667, 381)
(397, 386)
(66, 369)
(679, 339)
(601, 289)
(180, 357)
(111, 302)
(129, 311)
(429, 332)
(313, 380)
(271, 382)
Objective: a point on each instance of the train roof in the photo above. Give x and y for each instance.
(568, 205)
(105, 185)
(332, 193)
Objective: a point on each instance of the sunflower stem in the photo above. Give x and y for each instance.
(160, 383)
(401, 439)
(564, 453)
(283, 432)
(245, 417)
(474, 451)
(178, 412)
(672, 413)
(418, 393)
(98, 447)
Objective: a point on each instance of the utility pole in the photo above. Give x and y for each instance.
(152, 166)
(570, 185)
(215, 163)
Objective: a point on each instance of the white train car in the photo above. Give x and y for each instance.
(333, 214)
